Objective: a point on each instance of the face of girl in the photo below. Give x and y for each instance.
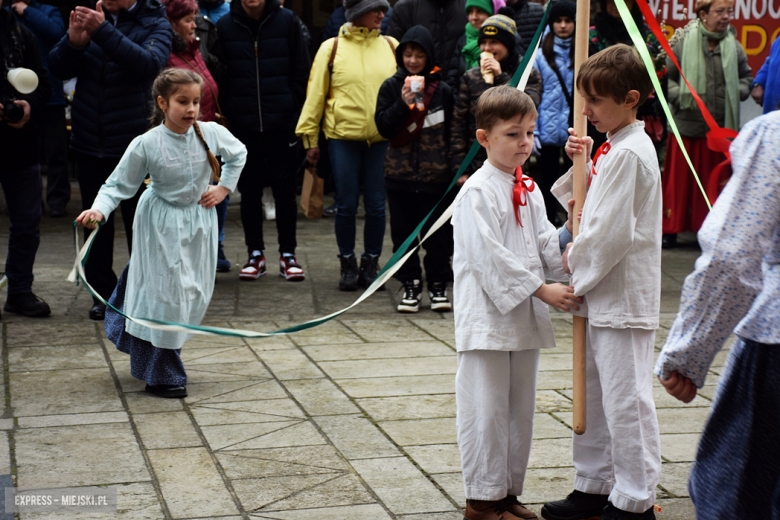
(719, 17)
(477, 17)
(371, 20)
(181, 108)
(414, 59)
(185, 27)
(563, 27)
(494, 47)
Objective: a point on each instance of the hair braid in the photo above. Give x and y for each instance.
(213, 162)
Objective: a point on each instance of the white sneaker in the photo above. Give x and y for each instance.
(410, 302)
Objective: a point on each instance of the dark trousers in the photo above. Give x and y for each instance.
(92, 174)
(54, 142)
(407, 209)
(271, 161)
(549, 170)
(22, 190)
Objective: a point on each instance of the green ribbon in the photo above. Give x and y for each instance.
(639, 43)
(398, 258)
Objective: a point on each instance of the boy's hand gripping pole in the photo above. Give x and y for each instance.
(580, 176)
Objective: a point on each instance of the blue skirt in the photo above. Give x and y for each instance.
(156, 366)
(737, 468)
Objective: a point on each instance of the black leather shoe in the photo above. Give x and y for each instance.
(576, 506)
(168, 391)
(27, 304)
(57, 212)
(669, 241)
(97, 312)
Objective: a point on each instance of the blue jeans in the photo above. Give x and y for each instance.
(25, 203)
(353, 162)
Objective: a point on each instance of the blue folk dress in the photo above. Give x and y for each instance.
(170, 276)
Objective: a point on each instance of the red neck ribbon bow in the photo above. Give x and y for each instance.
(603, 150)
(523, 185)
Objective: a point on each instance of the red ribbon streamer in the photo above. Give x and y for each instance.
(520, 191)
(603, 150)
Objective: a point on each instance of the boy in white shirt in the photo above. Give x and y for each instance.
(616, 263)
(505, 248)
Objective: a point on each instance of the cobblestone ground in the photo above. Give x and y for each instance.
(354, 419)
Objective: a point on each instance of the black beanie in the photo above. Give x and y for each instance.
(499, 27)
(562, 8)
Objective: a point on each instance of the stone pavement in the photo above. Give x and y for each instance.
(354, 419)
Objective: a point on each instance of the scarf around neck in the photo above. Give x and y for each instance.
(695, 51)
(471, 49)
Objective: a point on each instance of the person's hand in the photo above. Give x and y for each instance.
(492, 65)
(90, 19)
(26, 117)
(406, 94)
(313, 155)
(570, 212)
(757, 94)
(462, 179)
(77, 36)
(19, 8)
(559, 296)
(213, 196)
(680, 387)
(566, 268)
(575, 145)
(89, 218)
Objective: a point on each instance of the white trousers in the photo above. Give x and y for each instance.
(619, 454)
(496, 397)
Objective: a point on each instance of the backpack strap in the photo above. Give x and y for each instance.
(392, 47)
(333, 54)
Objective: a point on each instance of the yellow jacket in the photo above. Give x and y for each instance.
(364, 60)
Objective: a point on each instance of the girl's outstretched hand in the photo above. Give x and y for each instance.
(213, 196)
(89, 218)
(679, 386)
(575, 145)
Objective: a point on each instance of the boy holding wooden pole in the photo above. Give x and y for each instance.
(616, 262)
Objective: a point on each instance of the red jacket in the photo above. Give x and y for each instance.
(191, 59)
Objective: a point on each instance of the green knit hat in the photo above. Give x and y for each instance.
(485, 5)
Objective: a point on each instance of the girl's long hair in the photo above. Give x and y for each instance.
(548, 50)
(166, 85)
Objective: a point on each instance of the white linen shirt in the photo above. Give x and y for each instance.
(499, 265)
(736, 283)
(616, 259)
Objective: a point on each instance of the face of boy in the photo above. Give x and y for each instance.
(477, 17)
(606, 114)
(509, 143)
(414, 59)
(494, 47)
(181, 108)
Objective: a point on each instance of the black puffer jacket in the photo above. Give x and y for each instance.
(206, 32)
(19, 147)
(528, 16)
(445, 19)
(266, 69)
(464, 122)
(115, 71)
(423, 164)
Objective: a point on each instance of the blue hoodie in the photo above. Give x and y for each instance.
(769, 78)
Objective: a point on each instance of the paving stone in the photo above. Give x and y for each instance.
(280, 462)
(434, 516)
(679, 447)
(232, 391)
(5, 454)
(76, 391)
(218, 354)
(381, 368)
(136, 501)
(86, 455)
(401, 486)
(330, 333)
(554, 380)
(355, 437)
(555, 362)
(301, 492)
(26, 359)
(548, 427)
(148, 403)
(674, 478)
(547, 484)
(21, 334)
(226, 372)
(190, 483)
(682, 420)
(441, 329)
(420, 432)
(262, 435)
(676, 509)
(413, 407)
(380, 331)
(320, 397)
(550, 453)
(290, 364)
(46, 421)
(269, 410)
(664, 400)
(361, 512)
(166, 430)
(452, 484)
(551, 401)
(379, 350)
(401, 385)
(438, 458)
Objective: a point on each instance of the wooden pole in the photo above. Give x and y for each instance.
(580, 176)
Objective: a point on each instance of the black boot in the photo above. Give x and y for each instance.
(27, 304)
(369, 267)
(349, 273)
(576, 506)
(613, 513)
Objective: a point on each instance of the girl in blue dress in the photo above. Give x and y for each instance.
(170, 275)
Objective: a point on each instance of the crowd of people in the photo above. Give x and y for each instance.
(178, 104)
